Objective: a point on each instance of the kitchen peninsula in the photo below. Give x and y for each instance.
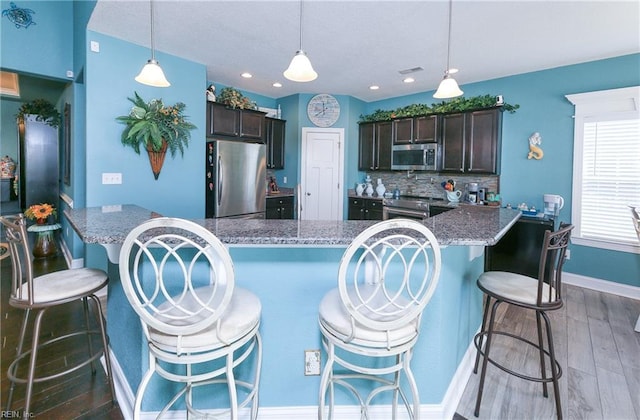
(290, 265)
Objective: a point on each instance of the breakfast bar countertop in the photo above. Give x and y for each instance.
(465, 225)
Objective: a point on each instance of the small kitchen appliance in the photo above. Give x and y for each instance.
(472, 192)
(552, 204)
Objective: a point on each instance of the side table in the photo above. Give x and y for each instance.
(45, 244)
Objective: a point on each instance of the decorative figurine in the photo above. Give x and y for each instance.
(535, 151)
(211, 93)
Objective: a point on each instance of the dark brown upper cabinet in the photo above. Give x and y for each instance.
(471, 142)
(375, 146)
(235, 124)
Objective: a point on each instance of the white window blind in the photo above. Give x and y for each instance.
(610, 179)
(606, 168)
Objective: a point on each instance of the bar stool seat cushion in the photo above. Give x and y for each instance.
(512, 287)
(336, 319)
(66, 284)
(240, 317)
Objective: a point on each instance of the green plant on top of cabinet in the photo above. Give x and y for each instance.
(374, 149)
(274, 137)
(471, 141)
(422, 129)
(235, 123)
(365, 208)
(280, 207)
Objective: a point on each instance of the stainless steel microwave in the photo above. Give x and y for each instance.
(421, 157)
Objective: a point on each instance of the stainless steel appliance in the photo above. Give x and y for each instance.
(421, 157)
(235, 179)
(416, 208)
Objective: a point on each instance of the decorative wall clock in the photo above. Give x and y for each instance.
(323, 110)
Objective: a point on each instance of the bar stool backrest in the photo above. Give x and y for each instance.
(553, 254)
(177, 276)
(388, 274)
(21, 258)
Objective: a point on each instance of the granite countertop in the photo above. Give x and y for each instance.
(466, 225)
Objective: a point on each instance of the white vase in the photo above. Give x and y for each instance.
(359, 189)
(369, 189)
(380, 189)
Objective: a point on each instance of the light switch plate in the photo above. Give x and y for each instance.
(95, 46)
(111, 178)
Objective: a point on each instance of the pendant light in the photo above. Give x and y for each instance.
(448, 87)
(152, 74)
(300, 69)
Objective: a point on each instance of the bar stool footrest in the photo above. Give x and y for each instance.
(483, 334)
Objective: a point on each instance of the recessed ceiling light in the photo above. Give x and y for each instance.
(374, 87)
(277, 84)
(247, 75)
(452, 71)
(409, 80)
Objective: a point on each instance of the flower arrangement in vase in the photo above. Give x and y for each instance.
(156, 127)
(40, 212)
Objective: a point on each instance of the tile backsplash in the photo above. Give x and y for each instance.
(427, 184)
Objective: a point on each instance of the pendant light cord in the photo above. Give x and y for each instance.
(300, 25)
(153, 48)
(449, 36)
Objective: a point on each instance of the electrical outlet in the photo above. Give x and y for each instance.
(284, 180)
(95, 46)
(312, 362)
(111, 178)
(567, 255)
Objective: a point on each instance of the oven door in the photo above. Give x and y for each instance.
(397, 212)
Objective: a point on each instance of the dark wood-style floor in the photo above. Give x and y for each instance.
(597, 347)
(79, 395)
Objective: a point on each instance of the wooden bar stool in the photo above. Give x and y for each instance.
(540, 295)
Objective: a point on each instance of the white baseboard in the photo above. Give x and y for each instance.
(605, 286)
(443, 410)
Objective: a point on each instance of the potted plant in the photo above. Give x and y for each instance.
(42, 109)
(156, 128)
(234, 99)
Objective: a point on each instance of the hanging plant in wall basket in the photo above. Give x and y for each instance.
(156, 128)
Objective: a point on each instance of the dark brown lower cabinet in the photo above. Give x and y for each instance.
(365, 209)
(519, 249)
(280, 207)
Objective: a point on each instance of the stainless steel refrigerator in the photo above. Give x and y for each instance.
(235, 179)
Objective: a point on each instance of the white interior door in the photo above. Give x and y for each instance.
(321, 177)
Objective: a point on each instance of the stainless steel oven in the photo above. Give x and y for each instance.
(416, 208)
(405, 208)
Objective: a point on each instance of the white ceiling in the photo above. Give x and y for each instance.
(356, 43)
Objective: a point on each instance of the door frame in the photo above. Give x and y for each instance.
(303, 160)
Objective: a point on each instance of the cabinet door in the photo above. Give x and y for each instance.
(453, 134)
(251, 125)
(403, 131)
(222, 121)
(356, 209)
(366, 147)
(483, 135)
(425, 129)
(373, 209)
(275, 133)
(384, 143)
(286, 208)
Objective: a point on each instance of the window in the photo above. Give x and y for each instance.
(606, 168)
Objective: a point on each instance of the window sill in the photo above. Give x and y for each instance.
(612, 246)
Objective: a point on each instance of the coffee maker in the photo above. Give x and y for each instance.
(472, 192)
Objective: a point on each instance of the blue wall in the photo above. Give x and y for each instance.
(46, 48)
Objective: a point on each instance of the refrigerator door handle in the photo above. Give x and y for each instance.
(219, 179)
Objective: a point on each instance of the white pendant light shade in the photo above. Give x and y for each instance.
(300, 69)
(152, 75)
(448, 88)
